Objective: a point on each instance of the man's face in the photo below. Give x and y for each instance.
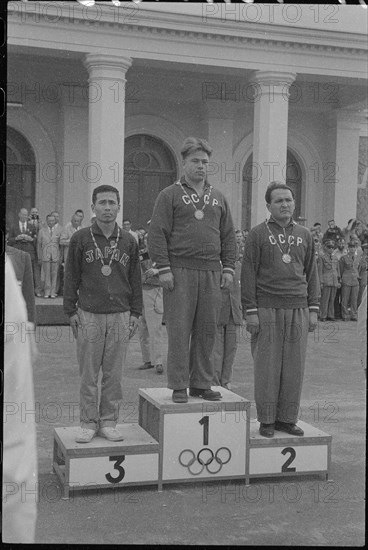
(56, 216)
(352, 249)
(329, 248)
(23, 215)
(331, 224)
(341, 245)
(76, 221)
(127, 226)
(195, 167)
(33, 212)
(106, 207)
(51, 221)
(239, 237)
(282, 205)
(80, 216)
(317, 228)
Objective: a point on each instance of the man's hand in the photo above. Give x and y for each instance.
(151, 272)
(312, 321)
(167, 280)
(133, 325)
(252, 324)
(226, 280)
(75, 324)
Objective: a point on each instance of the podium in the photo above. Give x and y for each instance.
(187, 442)
(199, 440)
(286, 455)
(103, 463)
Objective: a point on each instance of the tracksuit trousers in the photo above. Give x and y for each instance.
(101, 344)
(279, 352)
(191, 312)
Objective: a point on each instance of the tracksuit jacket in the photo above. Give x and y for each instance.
(178, 240)
(85, 285)
(268, 282)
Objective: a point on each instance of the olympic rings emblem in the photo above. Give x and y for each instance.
(205, 458)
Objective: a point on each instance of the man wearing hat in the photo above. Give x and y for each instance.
(349, 283)
(329, 278)
(332, 231)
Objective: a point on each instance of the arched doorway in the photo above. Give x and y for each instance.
(293, 180)
(20, 175)
(149, 167)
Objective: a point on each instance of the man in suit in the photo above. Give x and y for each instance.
(23, 236)
(49, 253)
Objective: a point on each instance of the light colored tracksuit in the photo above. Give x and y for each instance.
(192, 250)
(282, 294)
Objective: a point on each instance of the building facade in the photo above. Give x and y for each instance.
(107, 94)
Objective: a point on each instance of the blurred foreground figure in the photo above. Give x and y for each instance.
(20, 474)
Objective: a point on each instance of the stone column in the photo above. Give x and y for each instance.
(271, 104)
(340, 177)
(223, 172)
(106, 129)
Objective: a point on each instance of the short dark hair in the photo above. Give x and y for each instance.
(317, 223)
(79, 210)
(193, 144)
(331, 221)
(127, 220)
(105, 189)
(276, 185)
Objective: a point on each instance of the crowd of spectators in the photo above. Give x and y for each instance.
(342, 266)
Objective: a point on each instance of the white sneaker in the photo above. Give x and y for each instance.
(85, 435)
(112, 434)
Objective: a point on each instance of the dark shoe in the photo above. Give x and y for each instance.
(146, 365)
(209, 395)
(331, 319)
(291, 429)
(159, 369)
(353, 319)
(322, 320)
(267, 430)
(180, 396)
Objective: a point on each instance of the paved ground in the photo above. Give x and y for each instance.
(292, 511)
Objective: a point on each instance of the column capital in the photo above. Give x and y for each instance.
(273, 78)
(106, 66)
